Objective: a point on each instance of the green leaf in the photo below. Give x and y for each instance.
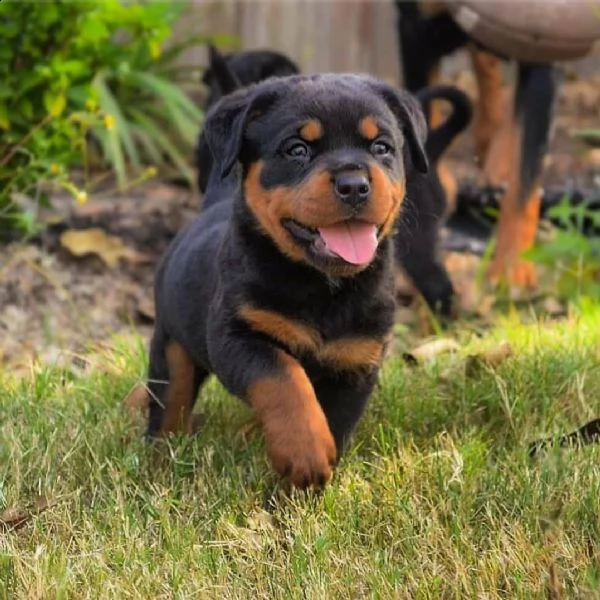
(166, 145)
(144, 139)
(110, 106)
(55, 103)
(4, 122)
(113, 152)
(93, 30)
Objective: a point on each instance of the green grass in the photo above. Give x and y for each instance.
(437, 498)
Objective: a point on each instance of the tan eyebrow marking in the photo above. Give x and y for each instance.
(368, 127)
(312, 130)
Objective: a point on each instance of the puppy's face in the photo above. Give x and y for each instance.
(324, 173)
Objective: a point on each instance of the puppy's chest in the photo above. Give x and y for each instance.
(339, 340)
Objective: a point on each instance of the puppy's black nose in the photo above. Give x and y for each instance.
(352, 187)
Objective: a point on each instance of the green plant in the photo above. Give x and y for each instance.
(149, 117)
(85, 80)
(572, 257)
(40, 157)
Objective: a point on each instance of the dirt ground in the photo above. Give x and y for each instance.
(70, 287)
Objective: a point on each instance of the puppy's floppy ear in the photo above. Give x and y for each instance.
(219, 71)
(227, 120)
(411, 120)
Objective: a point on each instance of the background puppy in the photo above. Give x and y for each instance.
(417, 247)
(228, 72)
(285, 290)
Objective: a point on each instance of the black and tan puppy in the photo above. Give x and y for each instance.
(285, 291)
(418, 233)
(226, 73)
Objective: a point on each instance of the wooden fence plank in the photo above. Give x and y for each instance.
(320, 35)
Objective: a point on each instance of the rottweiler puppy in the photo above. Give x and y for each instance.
(417, 251)
(285, 290)
(228, 72)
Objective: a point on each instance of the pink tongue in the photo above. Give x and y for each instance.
(355, 242)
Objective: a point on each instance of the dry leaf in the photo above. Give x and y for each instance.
(425, 323)
(430, 350)
(260, 520)
(109, 248)
(485, 305)
(14, 518)
(554, 308)
(490, 358)
(145, 307)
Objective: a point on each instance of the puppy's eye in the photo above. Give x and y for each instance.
(297, 150)
(381, 148)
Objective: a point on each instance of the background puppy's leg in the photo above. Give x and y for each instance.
(526, 138)
(489, 108)
(426, 34)
(420, 260)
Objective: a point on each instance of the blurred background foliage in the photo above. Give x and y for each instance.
(93, 85)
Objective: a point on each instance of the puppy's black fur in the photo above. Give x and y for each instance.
(258, 291)
(417, 238)
(417, 241)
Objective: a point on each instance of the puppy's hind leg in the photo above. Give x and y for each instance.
(173, 384)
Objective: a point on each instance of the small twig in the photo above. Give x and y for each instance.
(34, 129)
(584, 436)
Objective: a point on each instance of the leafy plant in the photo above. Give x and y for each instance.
(149, 116)
(572, 257)
(89, 81)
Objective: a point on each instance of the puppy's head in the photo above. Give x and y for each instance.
(228, 72)
(323, 160)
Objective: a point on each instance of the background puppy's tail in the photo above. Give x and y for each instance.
(220, 71)
(536, 95)
(441, 137)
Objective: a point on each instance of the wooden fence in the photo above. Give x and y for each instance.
(320, 35)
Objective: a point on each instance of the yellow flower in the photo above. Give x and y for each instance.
(154, 48)
(81, 197)
(151, 171)
(109, 121)
(54, 169)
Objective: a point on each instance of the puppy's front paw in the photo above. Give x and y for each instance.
(303, 451)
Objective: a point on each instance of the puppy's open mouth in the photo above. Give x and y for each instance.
(352, 241)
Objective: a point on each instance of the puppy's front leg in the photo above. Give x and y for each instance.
(298, 439)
